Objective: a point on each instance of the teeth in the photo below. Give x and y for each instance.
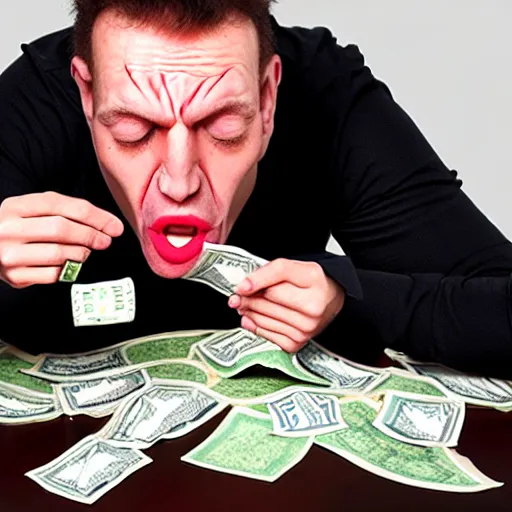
(179, 240)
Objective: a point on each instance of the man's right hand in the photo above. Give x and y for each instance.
(39, 232)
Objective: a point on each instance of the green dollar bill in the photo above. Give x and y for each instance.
(342, 373)
(100, 397)
(123, 358)
(70, 271)
(253, 388)
(274, 358)
(223, 266)
(472, 389)
(421, 420)
(243, 445)
(259, 408)
(407, 383)
(19, 405)
(163, 347)
(164, 411)
(10, 366)
(430, 468)
(178, 371)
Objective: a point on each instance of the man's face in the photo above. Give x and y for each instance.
(179, 124)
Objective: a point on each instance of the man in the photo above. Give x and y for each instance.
(201, 132)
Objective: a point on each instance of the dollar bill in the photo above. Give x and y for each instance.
(254, 389)
(70, 271)
(19, 406)
(304, 413)
(122, 358)
(11, 368)
(88, 470)
(242, 445)
(182, 370)
(472, 389)
(109, 302)
(223, 267)
(437, 468)
(100, 397)
(341, 373)
(253, 351)
(164, 411)
(403, 380)
(421, 420)
(226, 348)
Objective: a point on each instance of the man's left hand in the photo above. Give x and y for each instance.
(287, 302)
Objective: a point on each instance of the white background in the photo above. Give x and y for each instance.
(447, 63)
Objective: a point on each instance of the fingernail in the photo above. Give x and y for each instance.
(233, 301)
(243, 287)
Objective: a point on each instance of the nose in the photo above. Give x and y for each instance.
(179, 177)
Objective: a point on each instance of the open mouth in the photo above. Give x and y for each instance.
(179, 239)
(179, 236)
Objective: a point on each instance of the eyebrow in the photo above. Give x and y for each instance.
(110, 117)
(241, 108)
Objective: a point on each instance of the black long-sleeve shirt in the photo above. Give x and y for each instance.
(344, 159)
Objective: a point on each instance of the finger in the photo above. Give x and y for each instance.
(272, 325)
(27, 276)
(279, 339)
(41, 255)
(54, 230)
(52, 204)
(288, 296)
(278, 312)
(299, 273)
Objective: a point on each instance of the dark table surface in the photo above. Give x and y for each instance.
(321, 482)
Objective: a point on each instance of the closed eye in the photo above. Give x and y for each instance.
(229, 142)
(138, 143)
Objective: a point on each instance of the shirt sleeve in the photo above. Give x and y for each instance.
(434, 271)
(39, 132)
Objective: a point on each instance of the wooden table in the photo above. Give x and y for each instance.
(321, 482)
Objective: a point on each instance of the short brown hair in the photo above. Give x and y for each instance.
(176, 16)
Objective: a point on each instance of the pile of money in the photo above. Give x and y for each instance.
(400, 424)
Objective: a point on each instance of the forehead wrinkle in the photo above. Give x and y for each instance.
(152, 89)
(230, 93)
(206, 61)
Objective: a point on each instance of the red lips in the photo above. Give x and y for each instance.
(178, 255)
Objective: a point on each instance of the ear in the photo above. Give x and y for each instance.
(83, 78)
(268, 97)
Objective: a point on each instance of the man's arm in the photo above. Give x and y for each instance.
(44, 146)
(435, 272)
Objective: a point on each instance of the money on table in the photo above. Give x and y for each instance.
(88, 470)
(343, 374)
(119, 359)
(163, 411)
(219, 354)
(472, 389)
(100, 397)
(244, 437)
(304, 413)
(364, 445)
(421, 420)
(19, 405)
(395, 423)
